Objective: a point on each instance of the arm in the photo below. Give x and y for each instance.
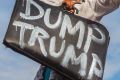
(96, 9)
(103, 7)
(113, 3)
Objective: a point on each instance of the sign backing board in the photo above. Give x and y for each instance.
(71, 45)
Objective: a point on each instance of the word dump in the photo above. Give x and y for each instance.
(65, 25)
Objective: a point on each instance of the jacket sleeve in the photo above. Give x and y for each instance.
(103, 7)
(96, 9)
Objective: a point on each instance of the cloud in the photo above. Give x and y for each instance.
(112, 62)
(6, 9)
(111, 70)
(112, 67)
(14, 66)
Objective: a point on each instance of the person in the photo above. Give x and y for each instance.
(90, 9)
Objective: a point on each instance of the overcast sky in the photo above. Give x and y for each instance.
(17, 67)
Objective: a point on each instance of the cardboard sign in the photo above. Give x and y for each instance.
(73, 46)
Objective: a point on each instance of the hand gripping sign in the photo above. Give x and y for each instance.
(73, 46)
